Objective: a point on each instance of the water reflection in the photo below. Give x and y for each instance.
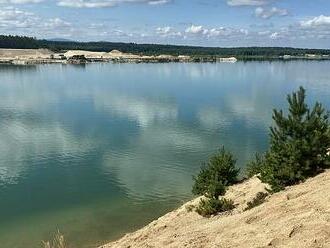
(24, 144)
(17, 68)
(108, 139)
(153, 167)
(145, 111)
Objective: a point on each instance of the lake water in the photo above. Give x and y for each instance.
(100, 150)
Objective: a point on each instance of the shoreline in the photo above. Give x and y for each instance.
(298, 215)
(45, 56)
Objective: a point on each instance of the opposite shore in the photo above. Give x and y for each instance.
(46, 56)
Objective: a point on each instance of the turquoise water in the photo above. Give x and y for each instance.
(100, 150)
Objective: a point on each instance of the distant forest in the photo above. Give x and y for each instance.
(9, 41)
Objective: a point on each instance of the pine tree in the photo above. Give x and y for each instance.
(212, 181)
(298, 143)
(218, 173)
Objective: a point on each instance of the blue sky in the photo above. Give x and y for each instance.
(297, 23)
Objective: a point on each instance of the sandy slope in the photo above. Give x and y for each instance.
(297, 217)
(24, 53)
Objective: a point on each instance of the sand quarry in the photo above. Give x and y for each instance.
(38, 56)
(297, 217)
(45, 53)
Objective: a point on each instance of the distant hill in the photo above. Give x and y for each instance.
(155, 49)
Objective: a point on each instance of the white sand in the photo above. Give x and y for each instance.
(24, 53)
(31, 56)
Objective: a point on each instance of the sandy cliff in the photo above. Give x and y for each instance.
(296, 217)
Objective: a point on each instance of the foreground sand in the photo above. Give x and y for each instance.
(297, 217)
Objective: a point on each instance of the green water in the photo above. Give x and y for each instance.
(102, 149)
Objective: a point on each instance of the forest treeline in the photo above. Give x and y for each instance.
(9, 41)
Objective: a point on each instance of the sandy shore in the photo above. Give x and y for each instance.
(296, 217)
(43, 56)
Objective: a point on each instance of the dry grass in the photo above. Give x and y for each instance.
(57, 242)
(258, 200)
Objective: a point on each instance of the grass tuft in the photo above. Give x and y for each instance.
(258, 200)
(212, 206)
(57, 242)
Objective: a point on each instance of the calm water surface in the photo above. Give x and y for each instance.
(102, 149)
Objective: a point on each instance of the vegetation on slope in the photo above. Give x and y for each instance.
(212, 181)
(299, 143)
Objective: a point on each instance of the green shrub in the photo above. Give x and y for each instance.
(212, 181)
(218, 173)
(298, 143)
(190, 208)
(255, 166)
(209, 207)
(258, 200)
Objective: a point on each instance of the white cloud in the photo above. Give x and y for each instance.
(268, 13)
(164, 30)
(14, 18)
(17, 21)
(57, 23)
(265, 32)
(158, 2)
(248, 2)
(275, 35)
(195, 29)
(86, 4)
(316, 22)
(167, 32)
(105, 3)
(20, 1)
(215, 32)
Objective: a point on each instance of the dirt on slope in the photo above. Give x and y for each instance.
(296, 217)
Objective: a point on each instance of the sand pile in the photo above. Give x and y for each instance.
(87, 54)
(114, 54)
